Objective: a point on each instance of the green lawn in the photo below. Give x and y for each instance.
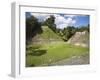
(43, 55)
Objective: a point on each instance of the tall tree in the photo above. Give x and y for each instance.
(50, 22)
(32, 27)
(68, 32)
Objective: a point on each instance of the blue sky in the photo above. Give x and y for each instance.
(82, 20)
(63, 20)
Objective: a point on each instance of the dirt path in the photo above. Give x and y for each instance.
(75, 60)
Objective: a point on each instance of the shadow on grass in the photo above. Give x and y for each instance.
(31, 65)
(37, 52)
(33, 47)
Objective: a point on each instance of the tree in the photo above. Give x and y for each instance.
(68, 32)
(32, 27)
(50, 22)
(83, 28)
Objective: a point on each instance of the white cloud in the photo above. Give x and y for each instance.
(71, 16)
(62, 26)
(63, 22)
(74, 21)
(60, 21)
(41, 17)
(69, 20)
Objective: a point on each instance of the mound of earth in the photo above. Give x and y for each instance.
(47, 36)
(80, 38)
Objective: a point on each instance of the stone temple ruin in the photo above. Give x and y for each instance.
(80, 38)
(47, 36)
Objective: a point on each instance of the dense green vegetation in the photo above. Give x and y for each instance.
(45, 54)
(33, 27)
(48, 34)
(39, 55)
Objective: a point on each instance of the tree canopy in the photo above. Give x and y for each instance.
(32, 27)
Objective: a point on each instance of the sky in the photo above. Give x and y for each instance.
(63, 20)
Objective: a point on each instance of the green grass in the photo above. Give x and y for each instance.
(39, 55)
(48, 33)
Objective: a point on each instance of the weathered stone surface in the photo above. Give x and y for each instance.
(80, 39)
